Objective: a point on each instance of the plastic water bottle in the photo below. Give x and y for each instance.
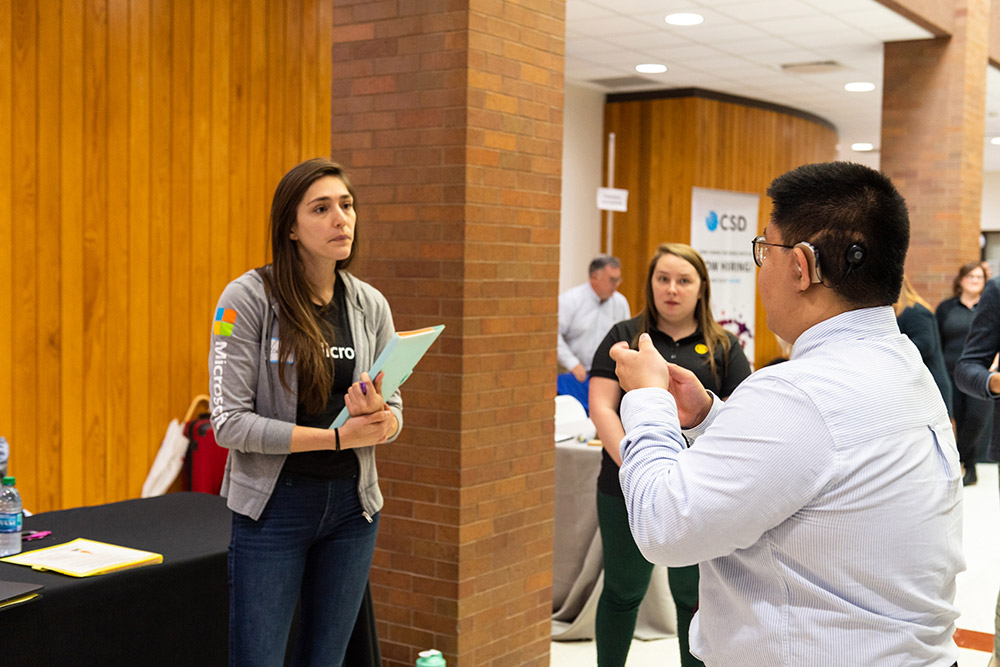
(11, 518)
(431, 658)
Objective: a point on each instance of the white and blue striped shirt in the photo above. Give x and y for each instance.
(823, 501)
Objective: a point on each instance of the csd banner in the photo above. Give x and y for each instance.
(723, 224)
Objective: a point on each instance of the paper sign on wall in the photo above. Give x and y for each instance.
(612, 199)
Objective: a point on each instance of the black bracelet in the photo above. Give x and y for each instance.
(336, 432)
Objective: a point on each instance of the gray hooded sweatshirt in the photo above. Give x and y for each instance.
(253, 414)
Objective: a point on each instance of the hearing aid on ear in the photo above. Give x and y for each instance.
(812, 259)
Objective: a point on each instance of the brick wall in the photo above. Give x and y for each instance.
(448, 115)
(933, 107)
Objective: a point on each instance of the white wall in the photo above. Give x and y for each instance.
(991, 202)
(583, 154)
(990, 220)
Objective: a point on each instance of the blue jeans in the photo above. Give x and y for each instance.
(312, 541)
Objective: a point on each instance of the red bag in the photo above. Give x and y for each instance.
(205, 462)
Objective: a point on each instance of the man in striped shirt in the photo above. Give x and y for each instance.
(823, 500)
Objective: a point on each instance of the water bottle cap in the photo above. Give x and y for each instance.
(430, 658)
(8, 481)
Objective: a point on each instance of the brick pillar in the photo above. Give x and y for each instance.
(933, 118)
(448, 115)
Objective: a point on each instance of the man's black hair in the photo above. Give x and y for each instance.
(835, 205)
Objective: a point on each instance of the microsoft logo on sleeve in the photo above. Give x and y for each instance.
(225, 318)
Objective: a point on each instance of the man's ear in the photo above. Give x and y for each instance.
(803, 269)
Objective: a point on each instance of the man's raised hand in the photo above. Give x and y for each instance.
(640, 368)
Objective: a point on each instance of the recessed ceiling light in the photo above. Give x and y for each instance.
(995, 141)
(862, 147)
(859, 87)
(684, 19)
(651, 68)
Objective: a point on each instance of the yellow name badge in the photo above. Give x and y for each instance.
(701, 348)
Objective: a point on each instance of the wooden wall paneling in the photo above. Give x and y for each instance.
(47, 265)
(692, 134)
(160, 327)
(141, 443)
(202, 210)
(239, 165)
(218, 258)
(653, 193)
(308, 84)
(624, 120)
(671, 213)
(293, 88)
(71, 375)
(24, 436)
(140, 185)
(648, 179)
(275, 164)
(653, 197)
(6, 223)
(259, 187)
(656, 182)
(182, 212)
(322, 140)
(95, 170)
(118, 231)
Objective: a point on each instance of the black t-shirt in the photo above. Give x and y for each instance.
(690, 352)
(329, 464)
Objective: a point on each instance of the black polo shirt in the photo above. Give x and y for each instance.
(690, 352)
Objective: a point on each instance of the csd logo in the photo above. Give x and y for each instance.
(726, 222)
(712, 221)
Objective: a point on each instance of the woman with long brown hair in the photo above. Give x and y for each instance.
(678, 317)
(290, 344)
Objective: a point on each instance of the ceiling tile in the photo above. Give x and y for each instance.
(740, 48)
(756, 11)
(845, 6)
(609, 25)
(581, 10)
(805, 25)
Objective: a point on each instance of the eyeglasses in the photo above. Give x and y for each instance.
(760, 247)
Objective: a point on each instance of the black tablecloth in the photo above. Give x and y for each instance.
(174, 613)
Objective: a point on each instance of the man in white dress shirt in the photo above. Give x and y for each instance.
(823, 499)
(586, 314)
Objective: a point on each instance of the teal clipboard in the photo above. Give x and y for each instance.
(397, 361)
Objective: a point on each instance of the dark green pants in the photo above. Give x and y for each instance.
(626, 579)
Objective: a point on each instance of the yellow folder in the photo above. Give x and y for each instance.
(84, 558)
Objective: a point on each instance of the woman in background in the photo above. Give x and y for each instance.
(954, 317)
(678, 317)
(289, 344)
(915, 319)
